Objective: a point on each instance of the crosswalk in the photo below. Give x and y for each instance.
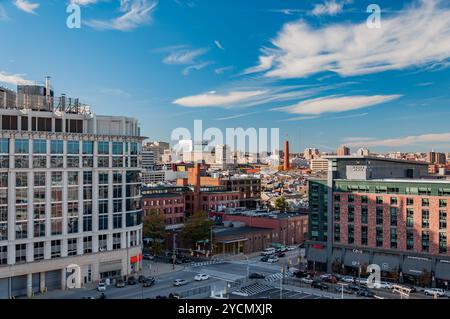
(277, 276)
(252, 289)
(205, 263)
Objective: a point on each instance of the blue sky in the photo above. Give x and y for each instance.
(312, 68)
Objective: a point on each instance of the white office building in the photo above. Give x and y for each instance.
(69, 193)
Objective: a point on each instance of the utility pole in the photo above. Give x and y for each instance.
(281, 282)
(174, 250)
(211, 242)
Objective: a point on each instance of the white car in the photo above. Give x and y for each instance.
(306, 280)
(273, 259)
(101, 287)
(348, 279)
(201, 277)
(291, 248)
(383, 285)
(434, 291)
(180, 282)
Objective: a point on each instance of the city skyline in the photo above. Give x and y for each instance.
(295, 65)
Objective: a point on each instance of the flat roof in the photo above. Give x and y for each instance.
(374, 158)
(227, 231)
(399, 180)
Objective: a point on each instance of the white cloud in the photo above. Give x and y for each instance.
(13, 79)
(135, 13)
(212, 99)
(334, 104)
(26, 6)
(331, 7)
(232, 117)
(419, 35)
(425, 139)
(218, 44)
(301, 118)
(223, 70)
(184, 56)
(84, 2)
(196, 67)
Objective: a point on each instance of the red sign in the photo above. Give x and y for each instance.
(135, 259)
(318, 246)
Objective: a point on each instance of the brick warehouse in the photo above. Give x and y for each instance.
(393, 216)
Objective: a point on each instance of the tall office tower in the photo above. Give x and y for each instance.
(286, 165)
(148, 159)
(436, 158)
(343, 151)
(157, 148)
(69, 194)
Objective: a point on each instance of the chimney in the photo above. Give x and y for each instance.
(286, 156)
(47, 86)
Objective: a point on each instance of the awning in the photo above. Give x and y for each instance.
(337, 255)
(356, 258)
(317, 255)
(114, 265)
(443, 270)
(415, 266)
(387, 262)
(231, 241)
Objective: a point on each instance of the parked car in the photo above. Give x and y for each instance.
(265, 258)
(141, 278)
(434, 292)
(148, 256)
(319, 285)
(383, 285)
(325, 276)
(256, 276)
(180, 282)
(329, 278)
(307, 280)
(200, 277)
(348, 279)
(131, 281)
(340, 288)
(366, 293)
(185, 260)
(268, 251)
(161, 297)
(174, 296)
(120, 283)
(281, 254)
(289, 248)
(273, 259)
(354, 288)
(148, 282)
(301, 274)
(101, 287)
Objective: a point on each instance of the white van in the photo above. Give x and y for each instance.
(268, 251)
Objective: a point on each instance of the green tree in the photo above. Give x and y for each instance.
(196, 228)
(154, 227)
(281, 204)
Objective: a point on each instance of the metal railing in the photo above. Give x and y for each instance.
(196, 291)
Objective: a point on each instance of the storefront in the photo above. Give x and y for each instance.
(317, 258)
(353, 260)
(417, 271)
(389, 265)
(442, 274)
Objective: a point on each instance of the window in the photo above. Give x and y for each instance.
(337, 213)
(425, 202)
(21, 146)
(88, 147)
(56, 225)
(39, 147)
(425, 241)
(409, 239)
(134, 149)
(379, 200)
(56, 248)
(351, 213)
(73, 147)
(102, 222)
(4, 146)
(3, 255)
(21, 230)
(117, 221)
(337, 233)
(337, 198)
(102, 242)
(351, 198)
(87, 178)
(442, 203)
(71, 246)
(351, 234)
(442, 243)
(410, 201)
(394, 216)
(56, 147)
(117, 148)
(364, 199)
(409, 217)
(393, 237)
(393, 200)
(442, 220)
(116, 241)
(379, 237)
(39, 250)
(425, 218)
(379, 215)
(39, 228)
(87, 223)
(364, 215)
(364, 235)
(87, 244)
(103, 147)
(21, 253)
(39, 179)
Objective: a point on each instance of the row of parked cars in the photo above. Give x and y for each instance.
(273, 255)
(131, 281)
(182, 282)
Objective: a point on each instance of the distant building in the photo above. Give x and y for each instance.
(363, 152)
(148, 159)
(311, 153)
(319, 165)
(343, 151)
(157, 148)
(436, 158)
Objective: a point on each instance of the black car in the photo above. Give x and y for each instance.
(148, 282)
(366, 293)
(120, 284)
(185, 260)
(161, 297)
(265, 258)
(319, 285)
(301, 274)
(280, 254)
(174, 296)
(131, 281)
(256, 276)
(141, 279)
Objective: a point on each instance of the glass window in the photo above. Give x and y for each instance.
(134, 148)
(39, 147)
(103, 147)
(88, 147)
(4, 146)
(73, 147)
(117, 148)
(57, 147)
(21, 146)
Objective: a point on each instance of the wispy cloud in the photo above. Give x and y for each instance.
(13, 79)
(352, 116)
(425, 84)
(183, 55)
(356, 139)
(3, 14)
(135, 13)
(26, 6)
(199, 66)
(300, 50)
(413, 140)
(329, 7)
(334, 104)
(236, 116)
(301, 118)
(218, 44)
(85, 2)
(212, 99)
(223, 70)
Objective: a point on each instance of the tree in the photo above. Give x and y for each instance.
(281, 204)
(154, 227)
(196, 228)
(425, 278)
